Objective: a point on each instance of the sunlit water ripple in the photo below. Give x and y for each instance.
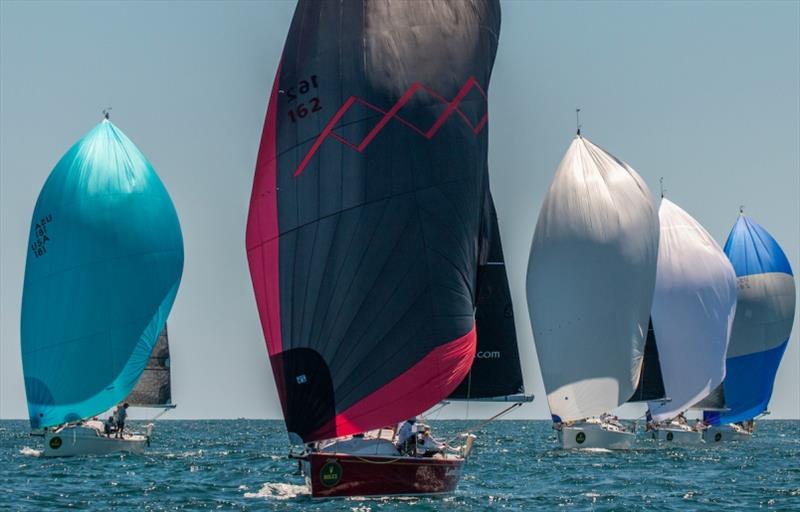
(242, 465)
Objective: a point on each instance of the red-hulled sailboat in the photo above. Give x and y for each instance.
(364, 231)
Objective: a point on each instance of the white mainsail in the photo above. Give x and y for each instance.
(693, 307)
(590, 281)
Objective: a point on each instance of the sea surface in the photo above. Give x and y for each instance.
(242, 465)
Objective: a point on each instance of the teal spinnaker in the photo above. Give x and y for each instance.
(104, 261)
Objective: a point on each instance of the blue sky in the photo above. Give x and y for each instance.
(705, 94)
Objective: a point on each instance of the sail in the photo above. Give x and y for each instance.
(651, 380)
(105, 258)
(496, 372)
(154, 388)
(362, 234)
(763, 321)
(715, 401)
(693, 307)
(590, 282)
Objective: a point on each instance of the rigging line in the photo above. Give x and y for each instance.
(485, 422)
(163, 412)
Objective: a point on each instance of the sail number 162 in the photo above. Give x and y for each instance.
(301, 110)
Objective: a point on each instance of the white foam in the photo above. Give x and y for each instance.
(279, 491)
(30, 452)
(596, 450)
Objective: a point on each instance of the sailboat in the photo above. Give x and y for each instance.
(496, 371)
(590, 282)
(105, 257)
(760, 332)
(693, 307)
(363, 229)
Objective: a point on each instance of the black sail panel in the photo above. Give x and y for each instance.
(715, 401)
(651, 382)
(154, 387)
(364, 221)
(496, 371)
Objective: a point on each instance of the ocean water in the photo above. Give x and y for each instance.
(242, 465)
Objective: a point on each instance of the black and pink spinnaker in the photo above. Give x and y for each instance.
(362, 235)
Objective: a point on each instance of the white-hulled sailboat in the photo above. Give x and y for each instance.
(693, 307)
(760, 332)
(590, 283)
(104, 264)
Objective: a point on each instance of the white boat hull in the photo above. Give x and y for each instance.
(83, 440)
(725, 433)
(678, 436)
(589, 435)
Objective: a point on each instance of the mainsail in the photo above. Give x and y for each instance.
(651, 380)
(693, 307)
(496, 373)
(590, 282)
(154, 388)
(105, 258)
(362, 235)
(763, 322)
(715, 401)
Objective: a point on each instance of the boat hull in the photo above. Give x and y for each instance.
(594, 436)
(725, 433)
(80, 440)
(678, 436)
(338, 475)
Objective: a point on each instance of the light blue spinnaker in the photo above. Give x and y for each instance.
(763, 321)
(105, 259)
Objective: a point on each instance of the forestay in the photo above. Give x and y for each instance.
(590, 282)
(693, 307)
(105, 258)
(763, 322)
(362, 235)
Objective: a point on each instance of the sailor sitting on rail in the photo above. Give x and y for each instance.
(427, 446)
(407, 436)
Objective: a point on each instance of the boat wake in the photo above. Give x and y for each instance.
(273, 491)
(595, 450)
(30, 452)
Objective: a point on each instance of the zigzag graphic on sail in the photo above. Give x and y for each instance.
(452, 106)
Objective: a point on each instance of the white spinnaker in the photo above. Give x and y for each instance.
(693, 307)
(590, 282)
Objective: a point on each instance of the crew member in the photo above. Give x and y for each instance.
(427, 445)
(406, 437)
(108, 426)
(119, 418)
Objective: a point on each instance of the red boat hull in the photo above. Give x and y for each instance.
(338, 475)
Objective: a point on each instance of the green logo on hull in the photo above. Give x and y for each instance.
(330, 474)
(670, 435)
(718, 436)
(580, 437)
(55, 443)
